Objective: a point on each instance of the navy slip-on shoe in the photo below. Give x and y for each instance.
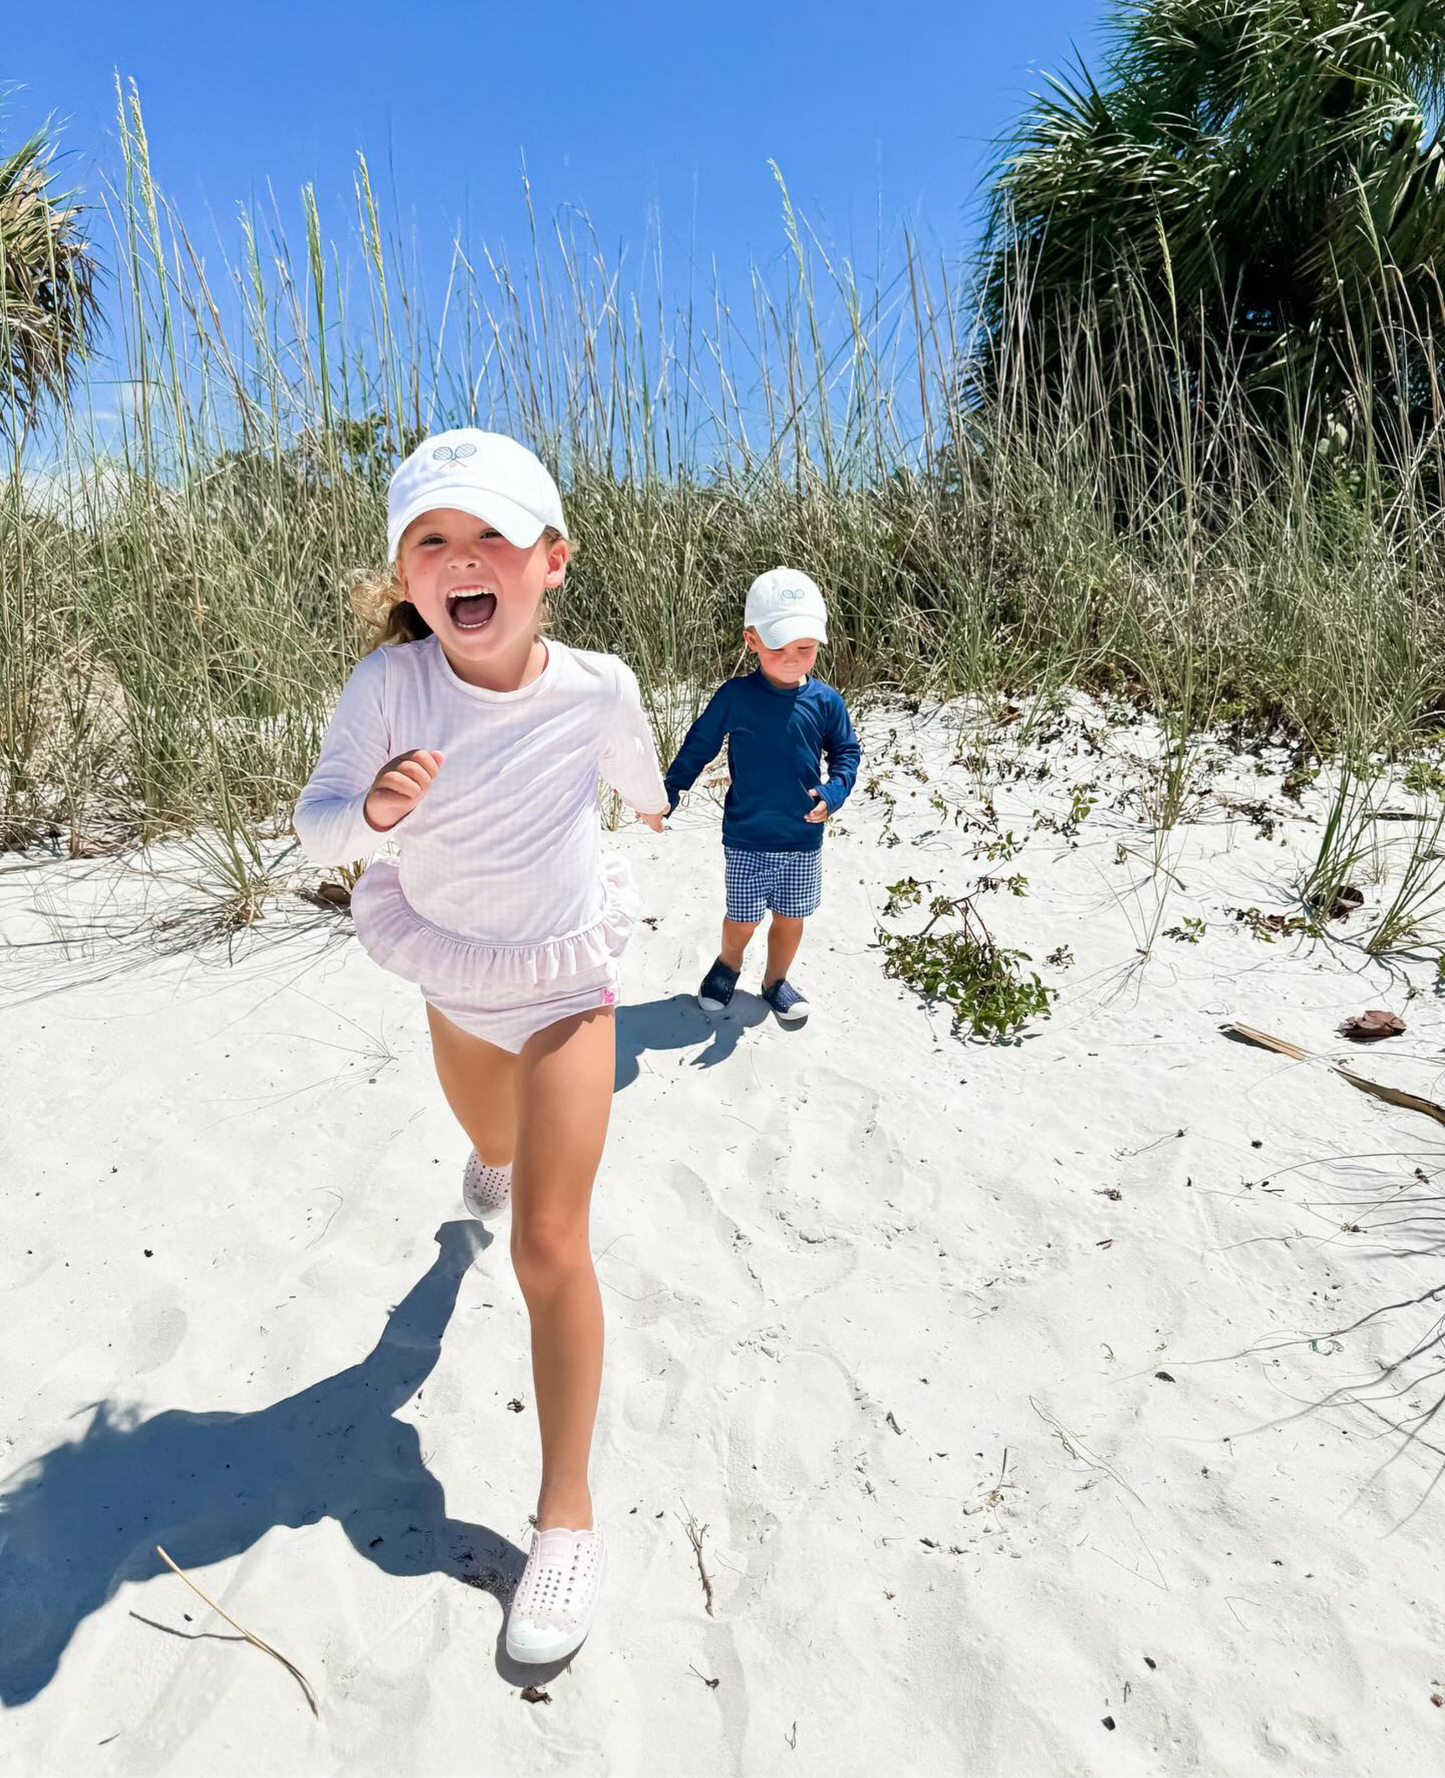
(786, 1001)
(717, 987)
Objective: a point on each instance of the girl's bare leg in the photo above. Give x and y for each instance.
(480, 1083)
(564, 1098)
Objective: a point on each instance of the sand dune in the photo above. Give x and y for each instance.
(1030, 1395)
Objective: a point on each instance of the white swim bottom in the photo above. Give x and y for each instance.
(508, 1015)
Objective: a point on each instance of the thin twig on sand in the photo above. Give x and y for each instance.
(255, 1641)
(1077, 1449)
(695, 1536)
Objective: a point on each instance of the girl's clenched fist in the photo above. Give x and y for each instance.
(399, 786)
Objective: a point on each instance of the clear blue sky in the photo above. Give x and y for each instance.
(624, 108)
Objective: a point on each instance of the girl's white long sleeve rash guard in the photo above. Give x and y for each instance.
(505, 847)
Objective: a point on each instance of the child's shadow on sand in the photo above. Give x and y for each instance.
(89, 1514)
(677, 1024)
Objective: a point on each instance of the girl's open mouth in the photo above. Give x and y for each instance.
(469, 610)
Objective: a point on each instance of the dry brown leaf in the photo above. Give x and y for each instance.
(327, 895)
(1369, 1027)
(1345, 903)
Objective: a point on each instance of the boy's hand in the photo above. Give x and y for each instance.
(399, 786)
(820, 810)
(654, 821)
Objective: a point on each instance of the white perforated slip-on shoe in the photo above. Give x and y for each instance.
(556, 1601)
(486, 1191)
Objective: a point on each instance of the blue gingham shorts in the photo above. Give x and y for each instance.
(790, 883)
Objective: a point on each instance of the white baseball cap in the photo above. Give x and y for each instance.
(484, 473)
(784, 606)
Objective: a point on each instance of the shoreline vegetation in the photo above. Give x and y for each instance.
(174, 619)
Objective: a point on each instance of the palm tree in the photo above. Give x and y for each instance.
(1265, 177)
(48, 308)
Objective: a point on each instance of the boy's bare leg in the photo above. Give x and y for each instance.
(784, 937)
(735, 941)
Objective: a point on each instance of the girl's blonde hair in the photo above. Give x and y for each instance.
(377, 600)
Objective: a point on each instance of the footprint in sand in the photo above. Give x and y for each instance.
(787, 1419)
(686, 1289)
(830, 1135)
(154, 1333)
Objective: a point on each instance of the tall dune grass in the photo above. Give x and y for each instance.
(173, 621)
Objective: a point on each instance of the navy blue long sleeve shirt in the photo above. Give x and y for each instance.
(777, 742)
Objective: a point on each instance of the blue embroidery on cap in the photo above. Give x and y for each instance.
(454, 453)
(790, 595)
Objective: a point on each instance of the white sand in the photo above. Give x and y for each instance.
(873, 1320)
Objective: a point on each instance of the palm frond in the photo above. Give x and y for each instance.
(1260, 166)
(48, 276)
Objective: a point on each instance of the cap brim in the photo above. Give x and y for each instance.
(784, 630)
(520, 527)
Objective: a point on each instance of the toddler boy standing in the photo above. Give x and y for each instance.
(781, 725)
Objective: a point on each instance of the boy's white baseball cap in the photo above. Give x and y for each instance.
(784, 606)
(484, 473)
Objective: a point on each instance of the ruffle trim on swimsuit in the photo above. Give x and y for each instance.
(399, 939)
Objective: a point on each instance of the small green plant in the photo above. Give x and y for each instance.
(1061, 957)
(1268, 927)
(1003, 848)
(1189, 931)
(1422, 778)
(978, 978)
(912, 762)
(1296, 781)
(906, 893)
(1016, 885)
(1082, 803)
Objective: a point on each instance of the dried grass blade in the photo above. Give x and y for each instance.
(1391, 1095)
(255, 1641)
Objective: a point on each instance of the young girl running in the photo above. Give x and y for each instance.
(479, 745)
